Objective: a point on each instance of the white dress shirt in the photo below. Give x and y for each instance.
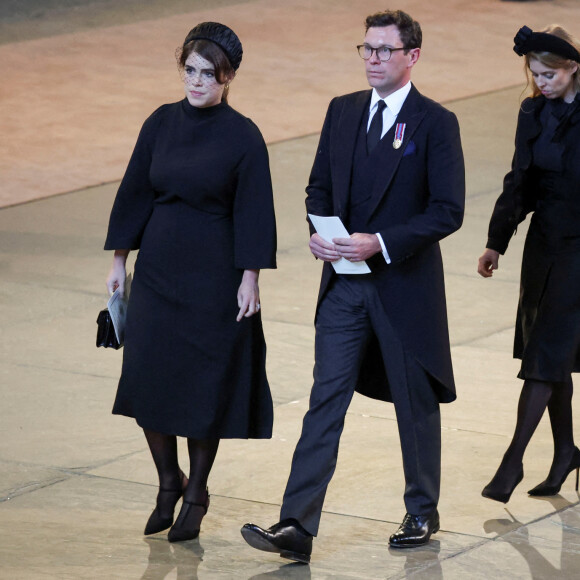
(394, 104)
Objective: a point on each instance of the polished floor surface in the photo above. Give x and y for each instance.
(76, 483)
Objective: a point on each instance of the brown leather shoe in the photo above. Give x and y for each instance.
(415, 531)
(287, 538)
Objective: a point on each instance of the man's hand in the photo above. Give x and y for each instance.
(358, 247)
(488, 262)
(322, 249)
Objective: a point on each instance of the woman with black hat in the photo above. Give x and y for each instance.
(545, 180)
(196, 200)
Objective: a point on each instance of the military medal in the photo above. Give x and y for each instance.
(399, 134)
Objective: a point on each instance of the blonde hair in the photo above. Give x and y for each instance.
(553, 60)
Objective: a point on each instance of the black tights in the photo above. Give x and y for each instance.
(201, 457)
(560, 410)
(202, 453)
(534, 398)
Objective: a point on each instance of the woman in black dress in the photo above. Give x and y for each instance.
(196, 200)
(545, 179)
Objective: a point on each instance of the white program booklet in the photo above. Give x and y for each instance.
(332, 227)
(117, 306)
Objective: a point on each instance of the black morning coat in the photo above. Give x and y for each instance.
(417, 200)
(519, 195)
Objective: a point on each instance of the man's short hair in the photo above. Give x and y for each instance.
(409, 29)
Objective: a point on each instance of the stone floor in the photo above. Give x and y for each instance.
(76, 483)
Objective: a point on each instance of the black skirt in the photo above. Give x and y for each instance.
(547, 333)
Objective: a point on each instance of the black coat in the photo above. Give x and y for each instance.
(519, 195)
(418, 199)
(547, 330)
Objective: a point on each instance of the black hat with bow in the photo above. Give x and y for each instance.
(526, 41)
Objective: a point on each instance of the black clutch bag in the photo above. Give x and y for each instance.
(106, 331)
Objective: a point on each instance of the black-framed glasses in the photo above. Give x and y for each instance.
(384, 53)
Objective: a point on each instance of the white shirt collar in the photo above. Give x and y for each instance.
(394, 101)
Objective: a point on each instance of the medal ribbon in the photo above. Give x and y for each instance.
(400, 132)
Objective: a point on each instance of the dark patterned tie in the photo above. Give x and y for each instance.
(376, 128)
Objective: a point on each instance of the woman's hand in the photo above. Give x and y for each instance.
(117, 274)
(248, 294)
(488, 263)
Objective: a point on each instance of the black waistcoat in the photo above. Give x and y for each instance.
(363, 177)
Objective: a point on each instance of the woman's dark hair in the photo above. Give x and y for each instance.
(224, 72)
(409, 29)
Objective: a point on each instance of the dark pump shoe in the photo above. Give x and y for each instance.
(188, 523)
(545, 489)
(287, 538)
(157, 522)
(415, 531)
(496, 488)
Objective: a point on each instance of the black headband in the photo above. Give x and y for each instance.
(528, 41)
(221, 35)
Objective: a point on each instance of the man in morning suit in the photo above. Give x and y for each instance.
(390, 165)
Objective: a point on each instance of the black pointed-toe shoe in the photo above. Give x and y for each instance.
(415, 531)
(287, 538)
(156, 522)
(166, 501)
(546, 489)
(188, 523)
(499, 489)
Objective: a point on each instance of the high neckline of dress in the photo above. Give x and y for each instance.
(559, 107)
(202, 112)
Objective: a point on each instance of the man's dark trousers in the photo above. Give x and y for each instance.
(349, 314)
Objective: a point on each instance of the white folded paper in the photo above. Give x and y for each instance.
(332, 227)
(117, 306)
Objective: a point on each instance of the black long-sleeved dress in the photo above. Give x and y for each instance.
(545, 180)
(196, 200)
